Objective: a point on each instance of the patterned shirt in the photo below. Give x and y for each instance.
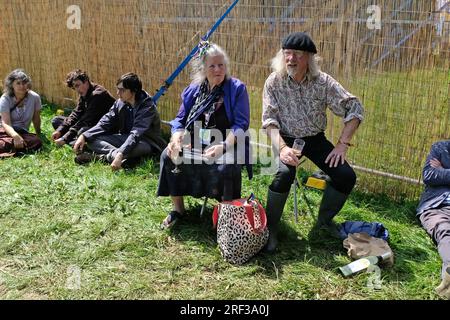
(299, 109)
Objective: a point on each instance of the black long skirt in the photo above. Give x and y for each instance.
(216, 181)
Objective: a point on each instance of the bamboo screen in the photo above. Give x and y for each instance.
(399, 69)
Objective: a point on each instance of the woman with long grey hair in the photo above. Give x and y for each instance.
(212, 118)
(19, 106)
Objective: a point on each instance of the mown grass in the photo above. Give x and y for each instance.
(56, 217)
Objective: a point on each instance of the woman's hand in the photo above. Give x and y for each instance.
(214, 151)
(290, 156)
(337, 155)
(173, 149)
(56, 135)
(60, 142)
(19, 143)
(174, 146)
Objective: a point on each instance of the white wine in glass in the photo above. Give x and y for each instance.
(175, 159)
(298, 145)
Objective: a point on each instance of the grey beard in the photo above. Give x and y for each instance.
(291, 72)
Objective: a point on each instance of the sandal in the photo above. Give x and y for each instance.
(170, 220)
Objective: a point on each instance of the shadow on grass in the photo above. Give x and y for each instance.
(292, 248)
(193, 227)
(319, 252)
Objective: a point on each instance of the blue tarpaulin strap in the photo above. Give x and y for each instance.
(194, 51)
(374, 229)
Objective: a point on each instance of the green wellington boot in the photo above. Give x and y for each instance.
(274, 210)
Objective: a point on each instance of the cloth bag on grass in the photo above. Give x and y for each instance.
(360, 245)
(241, 229)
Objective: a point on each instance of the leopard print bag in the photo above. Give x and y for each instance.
(241, 229)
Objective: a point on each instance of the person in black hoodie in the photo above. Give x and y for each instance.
(93, 103)
(131, 128)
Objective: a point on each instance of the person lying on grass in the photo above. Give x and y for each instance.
(434, 207)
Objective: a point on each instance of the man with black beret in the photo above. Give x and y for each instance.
(295, 98)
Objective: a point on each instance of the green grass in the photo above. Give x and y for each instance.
(56, 216)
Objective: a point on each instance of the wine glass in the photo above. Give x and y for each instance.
(176, 160)
(298, 145)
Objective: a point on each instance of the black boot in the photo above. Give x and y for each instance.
(332, 203)
(274, 210)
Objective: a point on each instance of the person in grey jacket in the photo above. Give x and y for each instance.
(434, 207)
(131, 128)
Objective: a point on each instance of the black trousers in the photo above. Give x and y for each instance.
(317, 148)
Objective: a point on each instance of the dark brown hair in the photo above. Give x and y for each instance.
(75, 75)
(130, 81)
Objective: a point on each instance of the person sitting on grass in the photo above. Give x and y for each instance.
(434, 207)
(94, 102)
(130, 130)
(214, 113)
(19, 106)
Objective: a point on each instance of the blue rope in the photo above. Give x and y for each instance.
(188, 58)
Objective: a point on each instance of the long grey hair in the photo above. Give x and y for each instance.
(198, 64)
(278, 65)
(18, 74)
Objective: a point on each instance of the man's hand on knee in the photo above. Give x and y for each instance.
(337, 156)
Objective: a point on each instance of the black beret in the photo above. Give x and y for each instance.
(299, 41)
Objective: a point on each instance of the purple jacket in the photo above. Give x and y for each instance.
(237, 108)
(235, 100)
